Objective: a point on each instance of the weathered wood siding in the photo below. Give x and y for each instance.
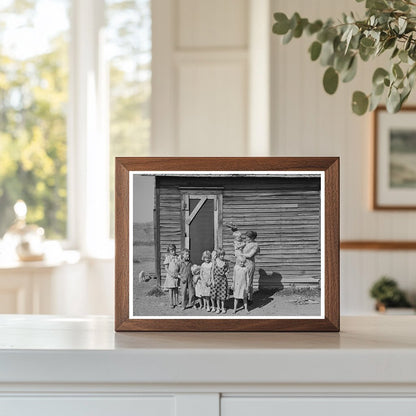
(285, 213)
(170, 217)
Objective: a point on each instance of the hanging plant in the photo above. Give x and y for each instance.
(388, 27)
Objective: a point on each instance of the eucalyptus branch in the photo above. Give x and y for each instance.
(389, 25)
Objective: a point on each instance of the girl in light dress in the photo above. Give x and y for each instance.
(172, 267)
(219, 286)
(241, 282)
(196, 276)
(205, 273)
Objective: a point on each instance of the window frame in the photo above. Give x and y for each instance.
(88, 133)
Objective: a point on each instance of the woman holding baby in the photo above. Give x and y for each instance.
(249, 251)
(245, 245)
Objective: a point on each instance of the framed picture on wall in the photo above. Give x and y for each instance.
(394, 178)
(227, 244)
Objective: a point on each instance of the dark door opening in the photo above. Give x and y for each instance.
(201, 228)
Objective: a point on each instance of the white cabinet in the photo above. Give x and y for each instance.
(272, 406)
(87, 406)
(67, 286)
(79, 366)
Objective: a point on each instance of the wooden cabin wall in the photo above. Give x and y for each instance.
(287, 222)
(169, 216)
(285, 213)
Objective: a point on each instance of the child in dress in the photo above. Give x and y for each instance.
(172, 267)
(213, 255)
(240, 282)
(219, 285)
(187, 284)
(205, 273)
(196, 277)
(239, 243)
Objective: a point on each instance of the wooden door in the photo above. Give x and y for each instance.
(202, 228)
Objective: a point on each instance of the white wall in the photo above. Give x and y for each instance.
(308, 122)
(201, 81)
(211, 92)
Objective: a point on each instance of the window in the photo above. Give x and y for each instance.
(129, 46)
(33, 98)
(75, 87)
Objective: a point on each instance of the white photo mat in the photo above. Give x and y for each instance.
(259, 174)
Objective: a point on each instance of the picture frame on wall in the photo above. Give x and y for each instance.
(227, 244)
(394, 167)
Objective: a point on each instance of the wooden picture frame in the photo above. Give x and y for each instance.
(394, 157)
(289, 189)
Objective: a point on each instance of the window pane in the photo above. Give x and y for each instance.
(33, 100)
(129, 45)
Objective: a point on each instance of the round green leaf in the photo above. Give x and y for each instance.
(359, 103)
(403, 56)
(378, 90)
(408, 42)
(367, 42)
(351, 71)
(374, 102)
(365, 53)
(315, 50)
(395, 52)
(342, 61)
(389, 43)
(379, 75)
(314, 27)
(397, 71)
(281, 26)
(327, 54)
(393, 101)
(330, 80)
(298, 30)
(288, 37)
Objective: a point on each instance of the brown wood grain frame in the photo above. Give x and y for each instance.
(376, 205)
(330, 165)
(375, 245)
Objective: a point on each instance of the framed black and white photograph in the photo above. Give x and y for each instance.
(394, 179)
(231, 244)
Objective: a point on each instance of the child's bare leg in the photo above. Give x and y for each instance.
(223, 306)
(171, 297)
(175, 296)
(235, 305)
(245, 304)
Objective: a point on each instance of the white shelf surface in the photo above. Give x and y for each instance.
(53, 349)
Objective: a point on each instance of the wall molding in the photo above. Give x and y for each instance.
(377, 245)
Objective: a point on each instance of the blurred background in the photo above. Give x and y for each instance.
(83, 81)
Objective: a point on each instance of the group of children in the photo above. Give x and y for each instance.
(205, 286)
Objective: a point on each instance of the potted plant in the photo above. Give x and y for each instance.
(389, 27)
(387, 294)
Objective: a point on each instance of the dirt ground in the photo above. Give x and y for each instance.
(287, 302)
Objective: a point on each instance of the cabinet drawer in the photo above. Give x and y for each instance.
(87, 406)
(272, 406)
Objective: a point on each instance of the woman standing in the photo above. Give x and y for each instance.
(250, 250)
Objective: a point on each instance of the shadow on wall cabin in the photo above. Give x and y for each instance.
(191, 212)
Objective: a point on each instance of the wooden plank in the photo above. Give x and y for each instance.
(156, 222)
(195, 211)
